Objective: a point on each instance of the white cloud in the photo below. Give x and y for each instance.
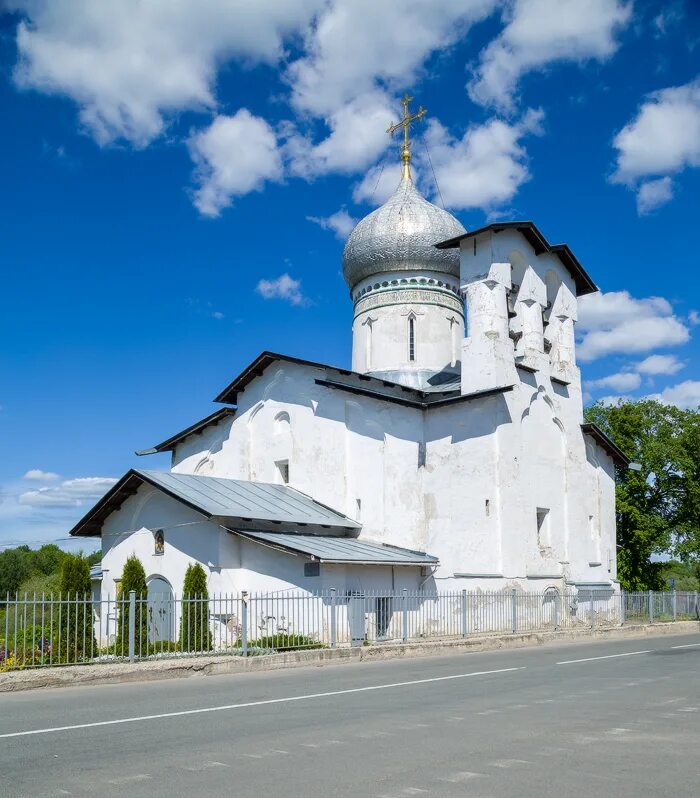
(283, 287)
(340, 222)
(233, 156)
(40, 476)
(694, 317)
(623, 382)
(358, 136)
(616, 322)
(358, 46)
(659, 364)
(357, 56)
(130, 64)
(70, 493)
(685, 395)
(654, 193)
(380, 182)
(539, 32)
(484, 168)
(663, 139)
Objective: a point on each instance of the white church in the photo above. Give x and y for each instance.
(453, 455)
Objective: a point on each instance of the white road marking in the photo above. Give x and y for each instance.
(463, 775)
(130, 779)
(206, 766)
(607, 656)
(509, 763)
(688, 645)
(269, 701)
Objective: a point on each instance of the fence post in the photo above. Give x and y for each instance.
(651, 606)
(674, 603)
(132, 625)
(622, 608)
(514, 609)
(557, 611)
(405, 615)
(244, 623)
(465, 614)
(334, 621)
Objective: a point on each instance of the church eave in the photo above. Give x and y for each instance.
(194, 429)
(530, 231)
(425, 400)
(230, 394)
(606, 443)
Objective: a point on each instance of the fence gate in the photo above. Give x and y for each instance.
(161, 620)
(356, 617)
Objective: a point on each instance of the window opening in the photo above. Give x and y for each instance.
(411, 338)
(543, 538)
(283, 471)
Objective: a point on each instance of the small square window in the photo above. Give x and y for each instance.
(312, 569)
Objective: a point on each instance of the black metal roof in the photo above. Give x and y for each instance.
(530, 231)
(606, 443)
(355, 382)
(194, 429)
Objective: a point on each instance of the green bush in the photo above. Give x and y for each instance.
(284, 642)
(77, 638)
(133, 578)
(195, 634)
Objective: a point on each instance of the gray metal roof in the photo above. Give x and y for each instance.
(239, 498)
(243, 503)
(344, 550)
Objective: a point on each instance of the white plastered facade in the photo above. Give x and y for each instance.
(500, 483)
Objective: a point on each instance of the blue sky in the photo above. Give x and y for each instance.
(178, 179)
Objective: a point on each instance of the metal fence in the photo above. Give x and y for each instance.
(38, 631)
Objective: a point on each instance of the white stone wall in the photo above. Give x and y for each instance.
(387, 305)
(518, 451)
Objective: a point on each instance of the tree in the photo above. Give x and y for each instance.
(77, 628)
(133, 578)
(195, 634)
(15, 567)
(658, 507)
(48, 559)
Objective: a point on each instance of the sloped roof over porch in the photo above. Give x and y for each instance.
(241, 504)
(348, 551)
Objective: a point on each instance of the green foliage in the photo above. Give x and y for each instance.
(133, 578)
(41, 584)
(48, 559)
(658, 508)
(686, 576)
(195, 634)
(75, 575)
(286, 642)
(77, 640)
(15, 567)
(20, 566)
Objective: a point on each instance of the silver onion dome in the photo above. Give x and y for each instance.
(401, 236)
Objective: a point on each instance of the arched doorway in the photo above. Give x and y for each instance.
(161, 610)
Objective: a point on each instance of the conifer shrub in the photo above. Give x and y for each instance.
(195, 634)
(133, 578)
(77, 631)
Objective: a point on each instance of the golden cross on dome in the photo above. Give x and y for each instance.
(405, 123)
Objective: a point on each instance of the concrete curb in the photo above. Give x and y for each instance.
(117, 673)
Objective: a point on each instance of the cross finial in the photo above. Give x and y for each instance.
(405, 123)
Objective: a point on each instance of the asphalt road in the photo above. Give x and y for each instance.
(619, 718)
